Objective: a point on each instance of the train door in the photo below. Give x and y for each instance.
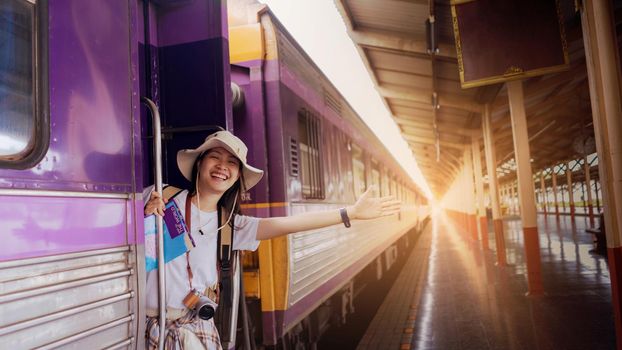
(184, 70)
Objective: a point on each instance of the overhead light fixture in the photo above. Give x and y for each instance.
(431, 35)
(435, 103)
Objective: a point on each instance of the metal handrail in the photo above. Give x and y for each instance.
(157, 156)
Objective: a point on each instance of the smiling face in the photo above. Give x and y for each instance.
(219, 170)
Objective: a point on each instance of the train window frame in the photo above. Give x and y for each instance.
(311, 168)
(39, 141)
(375, 174)
(359, 171)
(384, 183)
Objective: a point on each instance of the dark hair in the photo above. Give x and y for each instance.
(228, 198)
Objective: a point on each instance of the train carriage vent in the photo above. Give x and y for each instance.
(332, 102)
(293, 157)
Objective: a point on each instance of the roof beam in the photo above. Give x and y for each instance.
(443, 127)
(449, 171)
(431, 141)
(414, 123)
(398, 42)
(446, 159)
(425, 96)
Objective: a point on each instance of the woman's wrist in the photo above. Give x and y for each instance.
(351, 211)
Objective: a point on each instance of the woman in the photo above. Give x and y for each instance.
(219, 174)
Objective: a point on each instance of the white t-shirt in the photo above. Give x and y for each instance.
(202, 257)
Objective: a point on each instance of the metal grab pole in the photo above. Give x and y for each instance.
(157, 156)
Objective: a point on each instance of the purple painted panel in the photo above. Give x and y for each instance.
(241, 76)
(269, 332)
(192, 21)
(89, 100)
(251, 63)
(135, 83)
(271, 70)
(136, 229)
(277, 165)
(249, 125)
(40, 226)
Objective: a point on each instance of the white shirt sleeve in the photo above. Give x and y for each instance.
(245, 234)
(147, 193)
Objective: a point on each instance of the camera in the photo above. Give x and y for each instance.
(204, 307)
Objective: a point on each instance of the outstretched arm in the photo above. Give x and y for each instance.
(367, 207)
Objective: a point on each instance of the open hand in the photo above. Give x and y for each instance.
(371, 207)
(155, 205)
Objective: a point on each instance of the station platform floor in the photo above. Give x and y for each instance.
(451, 295)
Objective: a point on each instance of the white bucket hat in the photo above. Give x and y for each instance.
(187, 157)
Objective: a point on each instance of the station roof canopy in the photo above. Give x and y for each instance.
(391, 38)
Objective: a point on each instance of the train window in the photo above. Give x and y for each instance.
(346, 183)
(333, 160)
(394, 187)
(358, 167)
(375, 174)
(310, 161)
(384, 189)
(24, 132)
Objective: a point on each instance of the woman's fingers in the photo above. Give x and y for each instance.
(390, 202)
(155, 205)
(387, 198)
(392, 209)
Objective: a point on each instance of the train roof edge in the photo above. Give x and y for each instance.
(246, 17)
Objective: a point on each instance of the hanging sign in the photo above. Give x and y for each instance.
(501, 40)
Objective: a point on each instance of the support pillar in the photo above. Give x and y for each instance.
(563, 198)
(588, 187)
(512, 196)
(596, 190)
(603, 71)
(479, 187)
(505, 198)
(526, 190)
(583, 193)
(554, 178)
(491, 169)
(543, 190)
(570, 190)
(470, 188)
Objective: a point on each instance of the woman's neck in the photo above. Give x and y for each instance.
(209, 201)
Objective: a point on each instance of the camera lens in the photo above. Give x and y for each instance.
(206, 312)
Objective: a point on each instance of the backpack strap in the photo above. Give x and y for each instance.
(225, 257)
(169, 192)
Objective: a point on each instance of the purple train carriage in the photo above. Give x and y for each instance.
(75, 154)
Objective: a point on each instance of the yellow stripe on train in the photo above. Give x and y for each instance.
(270, 282)
(246, 43)
(264, 205)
